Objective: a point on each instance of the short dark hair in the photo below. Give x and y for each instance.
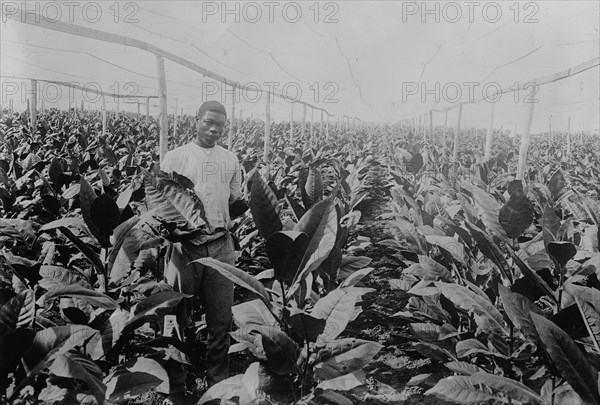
(213, 106)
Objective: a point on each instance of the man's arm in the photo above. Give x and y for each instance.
(235, 186)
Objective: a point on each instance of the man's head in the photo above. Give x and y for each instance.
(212, 119)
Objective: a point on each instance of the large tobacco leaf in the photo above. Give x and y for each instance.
(264, 207)
(174, 202)
(517, 214)
(487, 317)
(19, 311)
(568, 359)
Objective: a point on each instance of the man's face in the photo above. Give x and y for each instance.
(210, 128)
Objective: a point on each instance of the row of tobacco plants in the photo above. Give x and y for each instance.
(500, 276)
(86, 221)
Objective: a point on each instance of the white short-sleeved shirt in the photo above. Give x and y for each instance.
(216, 175)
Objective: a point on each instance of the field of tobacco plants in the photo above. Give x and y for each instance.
(372, 268)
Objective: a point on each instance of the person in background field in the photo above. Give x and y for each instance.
(216, 175)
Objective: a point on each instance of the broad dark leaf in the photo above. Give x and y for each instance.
(568, 359)
(556, 184)
(562, 252)
(517, 214)
(285, 250)
(19, 311)
(87, 195)
(281, 351)
(264, 207)
(105, 214)
(320, 223)
(313, 188)
(305, 326)
(13, 344)
(550, 225)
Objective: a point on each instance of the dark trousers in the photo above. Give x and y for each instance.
(215, 293)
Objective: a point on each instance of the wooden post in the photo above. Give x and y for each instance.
(321, 126)
(525, 145)
(430, 125)
(291, 121)
(267, 128)
(117, 111)
(303, 122)
(550, 129)
(175, 119)
(103, 116)
(312, 125)
(138, 110)
(34, 106)
(163, 115)
(231, 122)
(445, 128)
(147, 110)
(569, 137)
(11, 104)
(490, 133)
(457, 134)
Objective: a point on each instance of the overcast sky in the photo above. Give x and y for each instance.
(377, 60)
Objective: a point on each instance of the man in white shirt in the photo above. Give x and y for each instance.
(216, 175)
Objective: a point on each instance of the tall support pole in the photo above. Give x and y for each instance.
(267, 128)
(321, 126)
(302, 132)
(175, 119)
(147, 110)
(43, 107)
(550, 129)
(82, 106)
(103, 116)
(569, 137)
(138, 111)
(312, 124)
(117, 111)
(163, 115)
(525, 145)
(445, 129)
(457, 134)
(291, 121)
(327, 128)
(490, 133)
(34, 106)
(11, 104)
(231, 121)
(430, 125)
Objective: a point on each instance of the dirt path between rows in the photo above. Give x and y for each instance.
(394, 366)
